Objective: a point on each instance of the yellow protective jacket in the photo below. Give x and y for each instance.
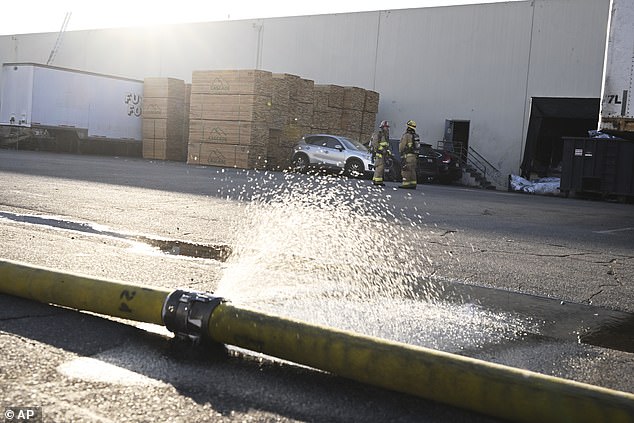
(381, 142)
(407, 144)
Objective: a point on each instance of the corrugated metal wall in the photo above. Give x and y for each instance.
(481, 63)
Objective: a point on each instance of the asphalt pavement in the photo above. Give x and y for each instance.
(528, 273)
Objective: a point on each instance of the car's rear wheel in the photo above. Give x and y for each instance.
(354, 168)
(300, 163)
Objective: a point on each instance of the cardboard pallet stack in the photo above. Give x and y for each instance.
(252, 118)
(188, 97)
(352, 117)
(368, 119)
(165, 109)
(328, 109)
(230, 117)
(331, 109)
(279, 147)
(292, 116)
(347, 111)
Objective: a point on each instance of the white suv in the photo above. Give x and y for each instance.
(332, 152)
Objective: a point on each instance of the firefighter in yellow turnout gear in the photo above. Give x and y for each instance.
(381, 149)
(409, 155)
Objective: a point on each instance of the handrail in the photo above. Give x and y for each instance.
(488, 170)
(482, 159)
(473, 159)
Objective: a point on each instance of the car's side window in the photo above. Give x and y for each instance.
(425, 150)
(332, 143)
(313, 140)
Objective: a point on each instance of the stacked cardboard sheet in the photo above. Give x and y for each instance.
(230, 118)
(165, 109)
(292, 116)
(347, 111)
(315, 108)
(251, 119)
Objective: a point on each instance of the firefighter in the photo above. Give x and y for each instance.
(409, 155)
(381, 150)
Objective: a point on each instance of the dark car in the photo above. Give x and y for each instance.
(433, 165)
(392, 170)
(428, 164)
(449, 167)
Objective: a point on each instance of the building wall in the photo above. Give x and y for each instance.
(481, 63)
(464, 63)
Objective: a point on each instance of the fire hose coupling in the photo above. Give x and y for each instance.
(187, 313)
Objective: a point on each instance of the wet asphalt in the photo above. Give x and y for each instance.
(565, 263)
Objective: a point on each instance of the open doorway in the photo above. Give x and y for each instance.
(456, 137)
(551, 119)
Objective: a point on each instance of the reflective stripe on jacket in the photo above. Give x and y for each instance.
(407, 144)
(381, 142)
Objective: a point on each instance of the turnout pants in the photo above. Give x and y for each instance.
(409, 171)
(379, 169)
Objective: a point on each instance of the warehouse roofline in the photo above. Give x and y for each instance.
(41, 65)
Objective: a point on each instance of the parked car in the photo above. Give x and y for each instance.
(427, 167)
(332, 153)
(428, 164)
(449, 168)
(433, 165)
(392, 170)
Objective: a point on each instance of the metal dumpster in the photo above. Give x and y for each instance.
(601, 166)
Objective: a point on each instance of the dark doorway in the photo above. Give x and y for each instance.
(456, 137)
(551, 119)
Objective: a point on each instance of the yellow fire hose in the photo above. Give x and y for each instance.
(492, 389)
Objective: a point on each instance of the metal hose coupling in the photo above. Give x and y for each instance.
(187, 313)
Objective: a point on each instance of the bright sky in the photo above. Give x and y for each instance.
(31, 16)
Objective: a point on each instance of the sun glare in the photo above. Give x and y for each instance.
(34, 16)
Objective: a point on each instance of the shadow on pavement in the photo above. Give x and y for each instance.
(229, 380)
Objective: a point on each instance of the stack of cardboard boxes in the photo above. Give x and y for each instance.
(293, 110)
(368, 118)
(328, 107)
(229, 118)
(251, 119)
(165, 126)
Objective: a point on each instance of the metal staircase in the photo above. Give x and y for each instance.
(475, 165)
(485, 174)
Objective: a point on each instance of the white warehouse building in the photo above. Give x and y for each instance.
(506, 79)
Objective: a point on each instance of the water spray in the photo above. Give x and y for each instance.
(483, 387)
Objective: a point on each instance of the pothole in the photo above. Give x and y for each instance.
(183, 248)
(218, 252)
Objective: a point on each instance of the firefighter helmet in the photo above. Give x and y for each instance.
(411, 124)
(384, 124)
